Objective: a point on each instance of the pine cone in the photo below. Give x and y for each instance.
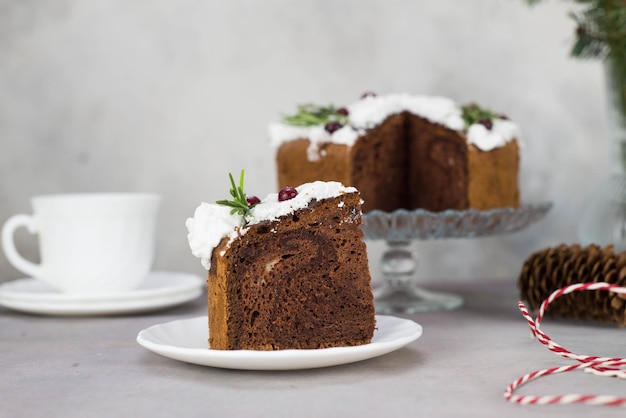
(553, 268)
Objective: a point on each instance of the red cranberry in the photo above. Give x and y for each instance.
(332, 127)
(505, 117)
(287, 193)
(368, 94)
(487, 123)
(253, 200)
(342, 111)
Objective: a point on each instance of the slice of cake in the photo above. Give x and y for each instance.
(403, 151)
(286, 272)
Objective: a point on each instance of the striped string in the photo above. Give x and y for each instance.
(600, 366)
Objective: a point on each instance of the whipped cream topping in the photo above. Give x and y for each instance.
(371, 111)
(212, 222)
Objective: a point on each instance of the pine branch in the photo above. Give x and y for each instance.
(600, 29)
(601, 34)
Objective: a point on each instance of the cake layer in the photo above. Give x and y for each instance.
(334, 166)
(438, 172)
(378, 164)
(493, 180)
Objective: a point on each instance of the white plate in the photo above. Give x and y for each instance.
(160, 290)
(186, 340)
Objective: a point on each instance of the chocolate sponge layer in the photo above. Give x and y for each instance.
(300, 282)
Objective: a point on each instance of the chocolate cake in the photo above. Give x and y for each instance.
(290, 274)
(403, 151)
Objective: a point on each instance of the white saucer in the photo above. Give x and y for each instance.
(160, 290)
(187, 340)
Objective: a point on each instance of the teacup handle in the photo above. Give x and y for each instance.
(8, 244)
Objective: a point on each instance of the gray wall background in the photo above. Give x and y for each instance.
(169, 96)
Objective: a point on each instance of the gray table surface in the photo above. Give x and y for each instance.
(93, 367)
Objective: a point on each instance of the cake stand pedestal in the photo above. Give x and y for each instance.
(399, 292)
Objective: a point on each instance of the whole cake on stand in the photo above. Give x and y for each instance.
(426, 168)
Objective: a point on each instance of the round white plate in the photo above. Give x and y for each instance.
(187, 340)
(160, 290)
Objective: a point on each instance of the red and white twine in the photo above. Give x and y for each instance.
(601, 366)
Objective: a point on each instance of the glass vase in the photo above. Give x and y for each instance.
(615, 75)
(603, 220)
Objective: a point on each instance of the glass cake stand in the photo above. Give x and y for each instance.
(399, 292)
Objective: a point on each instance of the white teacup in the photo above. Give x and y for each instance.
(88, 243)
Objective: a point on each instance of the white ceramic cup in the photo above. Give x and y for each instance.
(88, 243)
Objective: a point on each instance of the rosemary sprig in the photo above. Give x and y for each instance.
(313, 115)
(239, 204)
(472, 113)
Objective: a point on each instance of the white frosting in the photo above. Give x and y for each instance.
(501, 132)
(212, 222)
(373, 110)
(280, 132)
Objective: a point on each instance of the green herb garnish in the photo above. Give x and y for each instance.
(313, 115)
(472, 113)
(239, 204)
